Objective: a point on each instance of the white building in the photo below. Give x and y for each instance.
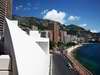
(71, 38)
(29, 54)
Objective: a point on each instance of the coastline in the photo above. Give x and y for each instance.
(76, 64)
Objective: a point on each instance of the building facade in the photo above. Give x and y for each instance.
(71, 38)
(63, 36)
(2, 15)
(8, 8)
(54, 32)
(5, 11)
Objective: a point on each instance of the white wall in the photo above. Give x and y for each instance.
(30, 58)
(4, 64)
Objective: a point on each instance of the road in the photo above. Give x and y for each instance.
(60, 66)
(80, 68)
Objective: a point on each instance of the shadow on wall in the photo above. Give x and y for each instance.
(8, 49)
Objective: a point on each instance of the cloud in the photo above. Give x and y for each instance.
(44, 12)
(36, 6)
(27, 8)
(73, 18)
(83, 25)
(16, 8)
(55, 15)
(94, 31)
(19, 7)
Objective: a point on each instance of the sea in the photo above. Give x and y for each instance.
(89, 56)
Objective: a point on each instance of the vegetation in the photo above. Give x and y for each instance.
(67, 45)
(51, 44)
(28, 22)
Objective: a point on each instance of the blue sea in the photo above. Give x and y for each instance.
(89, 56)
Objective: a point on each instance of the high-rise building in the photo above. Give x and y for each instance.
(8, 8)
(5, 37)
(54, 32)
(5, 11)
(2, 15)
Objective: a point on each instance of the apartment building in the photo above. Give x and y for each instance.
(63, 36)
(54, 32)
(5, 10)
(2, 15)
(8, 8)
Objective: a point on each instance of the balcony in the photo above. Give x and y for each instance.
(4, 64)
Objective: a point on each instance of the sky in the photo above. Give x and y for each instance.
(85, 13)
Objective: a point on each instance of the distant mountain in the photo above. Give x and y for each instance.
(75, 27)
(28, 22)
(77, 30)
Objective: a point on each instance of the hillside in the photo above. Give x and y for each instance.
(77, 30)
(27, 22)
